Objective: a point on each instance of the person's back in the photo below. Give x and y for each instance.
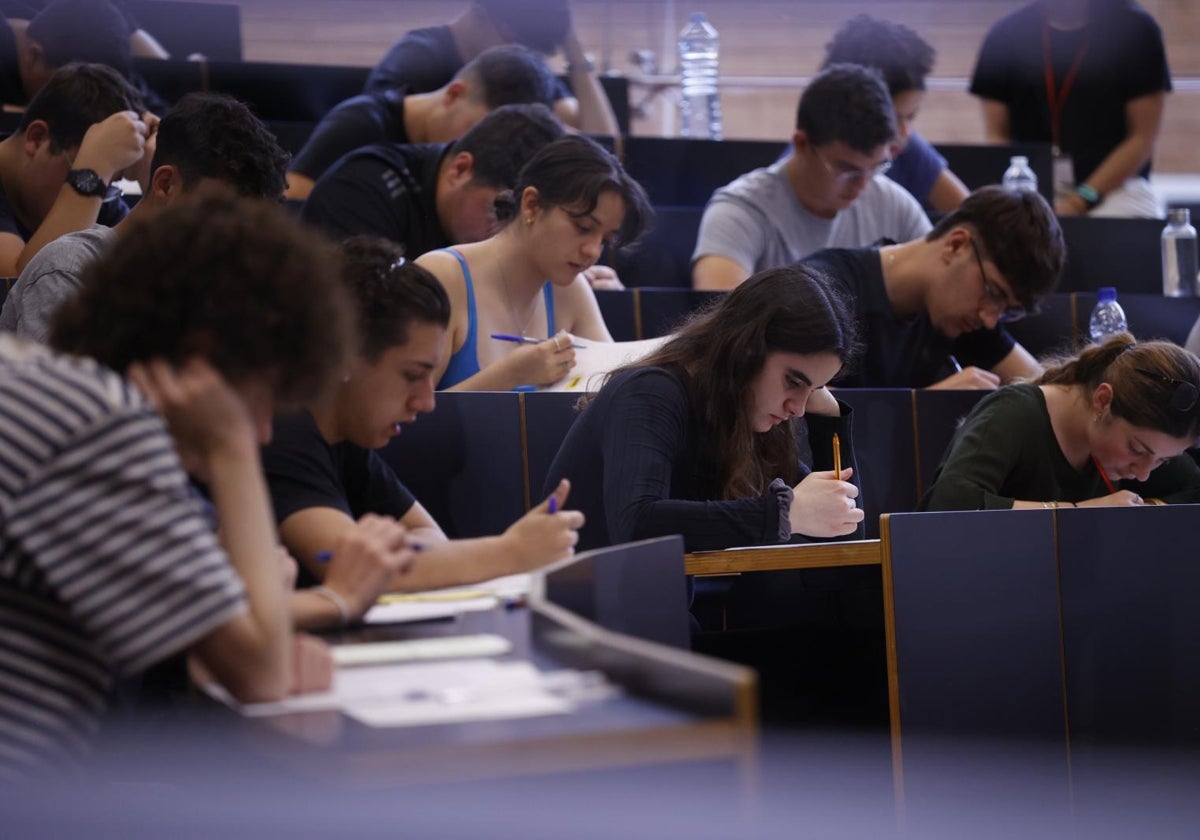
(430, 196)
(498, 76)
(830, 191)
(206, 137)
(110, 563)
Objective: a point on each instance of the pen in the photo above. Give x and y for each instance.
(326, 556)
(525, 339)
(955, 364)
(1104, 476)
(837, 456)
(552, 505)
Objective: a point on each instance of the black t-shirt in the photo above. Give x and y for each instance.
(424, 60)
(1125, 59)
(900, 352)
(383, 190)
(304, 471)
(376, 117)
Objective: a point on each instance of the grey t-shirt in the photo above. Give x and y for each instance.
(758, 222)
(50, 278)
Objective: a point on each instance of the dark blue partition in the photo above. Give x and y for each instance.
(291, 134)
(978, 165)
(171, 78)
(663, 256)
(547, 417)
(1130, 585)
(663, 310)
(1151, 316)
(976, 620)
(619, 309)
(463, 462)
(286, 92)
(1126, 253)
(1052, 331)
(677, 171)
(5, 285)
(883, 445)
(938, 414)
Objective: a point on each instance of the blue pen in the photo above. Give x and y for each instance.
(326, 556)
(525, 339)
(552, 505)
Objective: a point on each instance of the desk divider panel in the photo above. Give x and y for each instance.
(463, 462)
(287, 92)
(661, 311)
(974, 625)
(938, 415)
(546, 417)
(663, 256)
(1150, 315)
(980, 164)
(5, 284)
(1054, 330)
(1130, 586)
(619, 310)
(1126, 253)
(883, 445)
(686, 172)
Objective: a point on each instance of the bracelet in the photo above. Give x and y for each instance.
(336, 599)
(1089, 195)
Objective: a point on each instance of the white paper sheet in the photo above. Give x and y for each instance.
(410, 650)
(403, 612)
(596, 358)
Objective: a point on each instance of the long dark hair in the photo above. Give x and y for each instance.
(1155, 383)
(719, 352)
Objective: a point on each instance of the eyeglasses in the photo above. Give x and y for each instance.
(995, 297)
(848, 173)
(1184, 394)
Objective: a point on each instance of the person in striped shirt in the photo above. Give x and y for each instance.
(184, 338)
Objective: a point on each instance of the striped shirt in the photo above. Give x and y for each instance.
(107, 563)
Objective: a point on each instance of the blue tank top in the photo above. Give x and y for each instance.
(465, 363)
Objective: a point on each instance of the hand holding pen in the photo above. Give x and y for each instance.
(546, 534)
(365, 561)
(539, 362)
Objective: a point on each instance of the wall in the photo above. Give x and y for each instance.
(762, 38)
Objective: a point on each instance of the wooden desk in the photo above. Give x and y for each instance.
(779, 558)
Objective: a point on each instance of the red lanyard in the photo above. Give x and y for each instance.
(1055, 96)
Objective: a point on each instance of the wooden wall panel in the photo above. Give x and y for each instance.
(771, 38)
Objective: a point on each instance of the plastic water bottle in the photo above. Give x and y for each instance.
(1019, 176)
(1108, 318)
(1179, 255)
(699, 106)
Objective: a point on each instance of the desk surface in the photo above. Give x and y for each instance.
(781, 557)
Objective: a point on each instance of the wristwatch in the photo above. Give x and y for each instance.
(1089, 195)
(87, 182)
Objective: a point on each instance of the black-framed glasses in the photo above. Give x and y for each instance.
(1184, 394)
(995, 297)
(847, 173)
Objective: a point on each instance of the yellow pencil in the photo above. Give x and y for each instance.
(837, 456)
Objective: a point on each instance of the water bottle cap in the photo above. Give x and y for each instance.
(1019, 160)
(698, 17)
(1179, 216)
(1107, 294)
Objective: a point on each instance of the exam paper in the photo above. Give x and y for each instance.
(405, 611)
(597, 358)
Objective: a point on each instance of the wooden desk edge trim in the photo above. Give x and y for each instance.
(806, 556)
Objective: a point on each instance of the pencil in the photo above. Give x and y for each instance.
(1104, 476)
(837, 456)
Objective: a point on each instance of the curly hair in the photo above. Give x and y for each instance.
(897, 51)
(211, 135)
(1145, 378)
(722, 349)
(847, 103)
(232, 280)
(389, 293)
(1019, 232)
(571, 173)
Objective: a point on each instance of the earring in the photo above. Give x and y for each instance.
(529, 220)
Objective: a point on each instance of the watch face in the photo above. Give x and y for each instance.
(87, 182)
